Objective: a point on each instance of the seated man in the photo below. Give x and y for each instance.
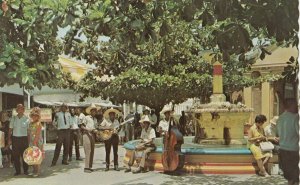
(146, 145)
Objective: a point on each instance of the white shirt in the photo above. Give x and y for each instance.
(81, 118)
(270, 130)
(62, 120)
(90, 122)
(74, 122)
(148, 135)
(108, 123)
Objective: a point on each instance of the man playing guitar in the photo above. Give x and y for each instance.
(146, 145)
(110, 123)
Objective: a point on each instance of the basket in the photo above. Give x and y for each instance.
(33, 156)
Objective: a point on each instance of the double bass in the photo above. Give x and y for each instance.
(172, 158)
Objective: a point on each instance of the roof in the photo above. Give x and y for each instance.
(77, 69)
(279, 57)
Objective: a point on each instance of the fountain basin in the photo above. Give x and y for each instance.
(204, 158)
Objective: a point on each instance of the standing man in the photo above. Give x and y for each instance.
(88, 129)
(18, 127)
(163, 126)
(288, 132)
(182, 123)
(110, 123)
(62, 121)
(146, 145)
(81, 118)
(129, 127)
(74, 135)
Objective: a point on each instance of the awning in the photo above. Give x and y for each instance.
(12, 89)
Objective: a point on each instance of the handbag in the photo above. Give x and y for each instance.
(266, 146)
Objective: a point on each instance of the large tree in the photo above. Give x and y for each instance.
(29, 47)
(156, 49)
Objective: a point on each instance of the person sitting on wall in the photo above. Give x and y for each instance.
(146, 145)
(256, 135)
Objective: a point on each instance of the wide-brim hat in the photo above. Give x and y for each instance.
(274, 120)
(90, 108)
(111, 110)
(166, 109)
(146, 119)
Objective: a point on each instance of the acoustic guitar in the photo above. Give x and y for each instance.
(105, 134)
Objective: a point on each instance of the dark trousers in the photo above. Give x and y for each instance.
(289, 161)
(74, 138)
(114, 142)
(19, 145)
(63, 138)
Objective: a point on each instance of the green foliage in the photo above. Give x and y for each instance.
(156, 48)
(28, 46)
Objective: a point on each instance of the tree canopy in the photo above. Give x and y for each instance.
(29, 47)
(157, 50)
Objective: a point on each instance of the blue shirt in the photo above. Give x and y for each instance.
(62, 120)
(287, 129)
(19, 126)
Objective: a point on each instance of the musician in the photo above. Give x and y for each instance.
(146, 145)
(88, 130)
(110, 123)
(163, 126)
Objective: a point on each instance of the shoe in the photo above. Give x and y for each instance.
(70, 159)
(53, 165)
(139, 170)
(88, 170)
(65, 163)
(127, 170)
(79, 159)
(26, 173)
(107, 168)
(263, 174)
(16, 174)
(35, 175)
(116, 168)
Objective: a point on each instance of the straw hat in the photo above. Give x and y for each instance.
(166, 109)
(274, 120)
(146, 119)
(90, 108)
(108, 111)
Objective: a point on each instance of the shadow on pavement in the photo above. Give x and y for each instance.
(7, 174)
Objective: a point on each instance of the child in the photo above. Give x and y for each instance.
(35, 135)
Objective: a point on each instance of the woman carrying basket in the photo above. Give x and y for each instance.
(35, 136)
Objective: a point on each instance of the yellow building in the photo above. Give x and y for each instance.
(267, 98)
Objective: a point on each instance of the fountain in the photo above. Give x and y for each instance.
(219, 146)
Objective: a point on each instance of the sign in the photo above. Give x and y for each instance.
(46, 114)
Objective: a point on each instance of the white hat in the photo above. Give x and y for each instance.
(108, 111)
(146, 119)
(166, 109)
(93, 106)
(274, 120)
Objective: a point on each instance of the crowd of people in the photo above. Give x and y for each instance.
(21, 132)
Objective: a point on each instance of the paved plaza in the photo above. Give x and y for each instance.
(73, 174)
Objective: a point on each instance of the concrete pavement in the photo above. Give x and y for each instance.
(73, 174)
